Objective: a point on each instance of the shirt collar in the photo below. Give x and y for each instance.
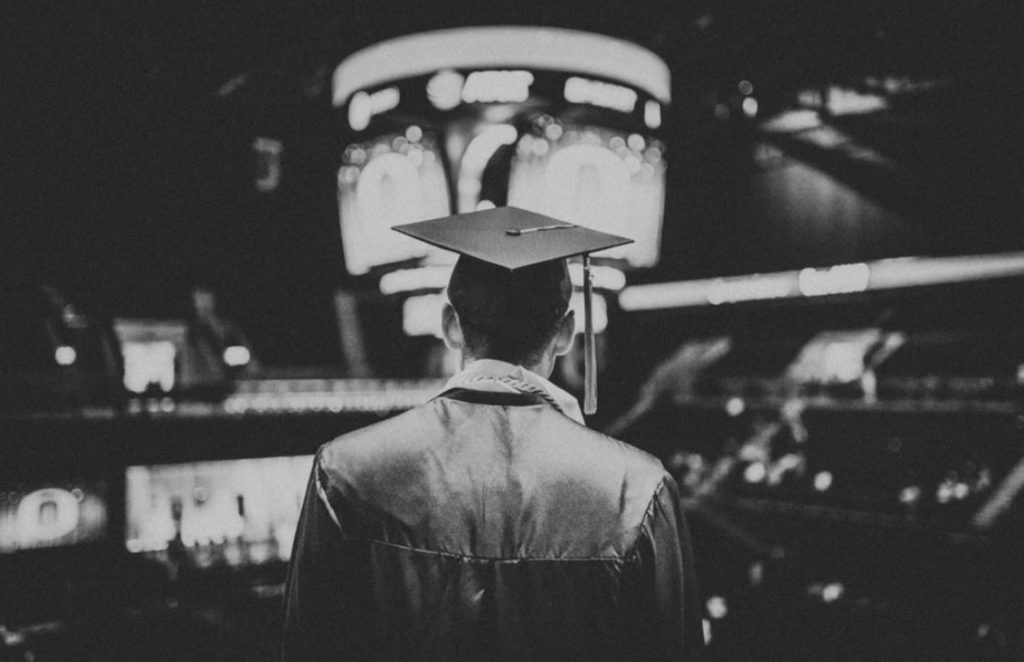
(493, 375)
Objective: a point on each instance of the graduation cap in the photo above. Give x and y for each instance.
(513, 239)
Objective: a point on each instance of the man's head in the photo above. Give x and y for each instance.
(519, 316)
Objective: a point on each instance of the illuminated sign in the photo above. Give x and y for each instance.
(364, 106)
(497, 87)
(606, 95)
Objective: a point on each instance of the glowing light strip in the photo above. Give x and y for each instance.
(552, 49)
(840, 279)
(436, 278)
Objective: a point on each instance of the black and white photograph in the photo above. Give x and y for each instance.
(385, 331)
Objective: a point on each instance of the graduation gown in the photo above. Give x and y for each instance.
(489, 526)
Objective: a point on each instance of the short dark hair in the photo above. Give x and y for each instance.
(509, 315)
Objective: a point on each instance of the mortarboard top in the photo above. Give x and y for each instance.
(493, 235)
(514, 238)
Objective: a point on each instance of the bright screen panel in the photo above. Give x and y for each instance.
(386, 181)
(236, 512)
(600, 178)
(52, 515)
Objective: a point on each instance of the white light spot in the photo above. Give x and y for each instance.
(832, 592)
(236, 355)
(750, 107)
(65, 355)
(756, 573)
(414, 134)
(636, 142)
(735, 406)
(755, 473)
(822, 481)
(717, 607)
(910, 495)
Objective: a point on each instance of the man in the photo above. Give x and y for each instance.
(489, 523)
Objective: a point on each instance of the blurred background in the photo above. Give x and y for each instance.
(817, 329)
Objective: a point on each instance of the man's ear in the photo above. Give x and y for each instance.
(451, 328)
(566, 333)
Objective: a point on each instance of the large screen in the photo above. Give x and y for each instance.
(232, 512)
(600, 178)
(52, 515)
(561, 122)
(388, 180)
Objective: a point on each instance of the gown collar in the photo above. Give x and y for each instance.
(501, 377)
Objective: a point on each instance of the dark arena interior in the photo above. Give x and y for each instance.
(818, 330)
